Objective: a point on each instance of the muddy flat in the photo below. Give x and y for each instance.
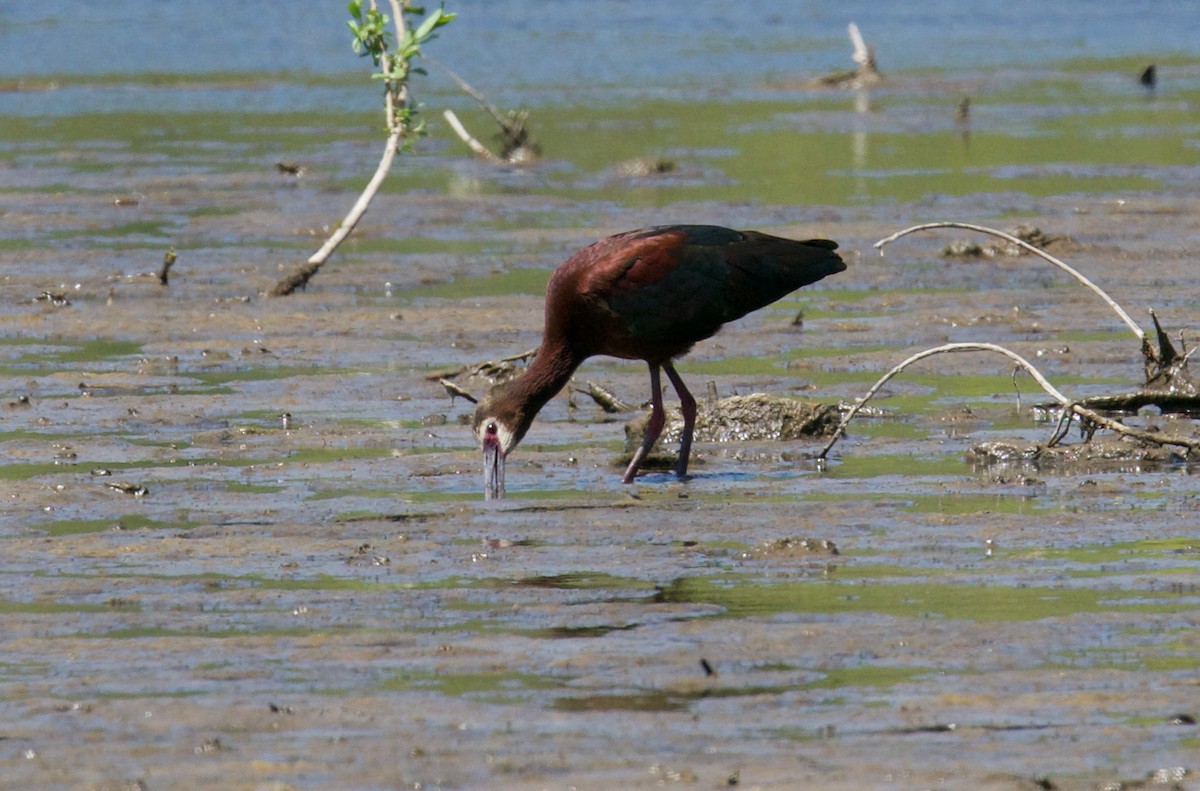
(243, 541)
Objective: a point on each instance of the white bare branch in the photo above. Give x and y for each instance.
(1138, 331)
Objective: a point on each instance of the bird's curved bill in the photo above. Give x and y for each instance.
(493, 471)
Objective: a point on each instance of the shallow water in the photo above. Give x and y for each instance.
(196, 593)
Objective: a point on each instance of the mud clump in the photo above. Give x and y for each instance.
(1030, 234)
(747, 418)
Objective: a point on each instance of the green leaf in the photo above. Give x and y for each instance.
(428, 26)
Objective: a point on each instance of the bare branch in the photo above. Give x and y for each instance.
(300, 278)
(862, 53)
(1030, 248)
(1069, 407)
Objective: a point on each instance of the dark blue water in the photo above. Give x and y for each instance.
(549, 51)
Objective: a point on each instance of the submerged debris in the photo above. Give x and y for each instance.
(57, 299)
(1169, 386)
(1166, 368)
(1101, 452)
(867, 72)
(131, 489)
(168, 261)
(644, 167)
(289, 168)
(793, 547)
(1149, 77)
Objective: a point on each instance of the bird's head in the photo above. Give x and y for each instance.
(498, 432)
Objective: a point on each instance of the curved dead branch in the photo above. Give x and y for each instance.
(1138, 331)
(1070, 408)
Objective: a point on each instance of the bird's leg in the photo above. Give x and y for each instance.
(687, 404)
(654, 426)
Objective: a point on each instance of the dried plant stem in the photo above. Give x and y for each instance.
(1141, 335)
(1069, 407)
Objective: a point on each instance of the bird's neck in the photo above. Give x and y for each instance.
(549, 372)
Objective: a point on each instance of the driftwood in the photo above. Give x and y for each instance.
(1090, 418)
(606, 400)
(487, 374)
(1168, 384)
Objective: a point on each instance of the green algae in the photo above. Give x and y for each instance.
(741, 598)
(507, 283)
(1181, 548)
(498, 686)
(872, 676)
(11, 607)
(69, 527)
(81, 351)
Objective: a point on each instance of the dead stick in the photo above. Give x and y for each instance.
(474, 94)
(465, 136)
(1032, 249)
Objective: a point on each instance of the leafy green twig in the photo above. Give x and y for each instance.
(394, 55)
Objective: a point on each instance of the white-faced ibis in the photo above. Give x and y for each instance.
(645, 295)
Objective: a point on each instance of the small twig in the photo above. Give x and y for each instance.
(1069, 407)
(168, 262)
(1138, 331)
(1061, 429)
(607, 401)
(454, 390)
(517, 145)
(473, 93)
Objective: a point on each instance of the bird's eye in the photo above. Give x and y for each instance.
(491, 428)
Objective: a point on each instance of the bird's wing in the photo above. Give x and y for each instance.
(670, 285)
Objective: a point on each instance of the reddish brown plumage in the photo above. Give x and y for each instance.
(650, 295)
